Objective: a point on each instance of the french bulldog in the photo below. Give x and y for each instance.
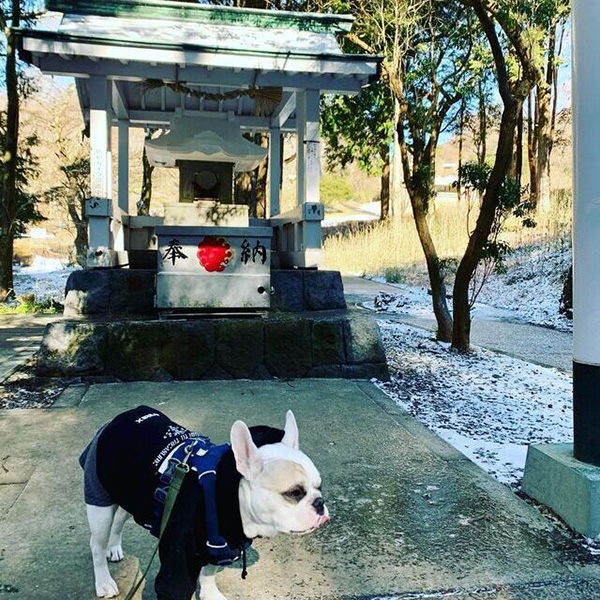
(264, 485)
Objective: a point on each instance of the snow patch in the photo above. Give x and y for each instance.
(45, 278)
(529, 291)
(488, 406)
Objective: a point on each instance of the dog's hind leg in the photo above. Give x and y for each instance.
(114, 553)
(101, 519)
(208, 583)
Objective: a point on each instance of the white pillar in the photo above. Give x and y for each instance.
(586, 230)
(312, 144)
(124, 165)
(274, 170)
(300, 154)
(99, 206)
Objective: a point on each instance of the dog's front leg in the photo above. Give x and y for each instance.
(101, 519)
(115, 544)
(208, 583)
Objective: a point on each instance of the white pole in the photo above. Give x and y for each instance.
(100, 162)
(274, 170)
(300, 151)
(313, 146)
(124, 165)
(586, 229)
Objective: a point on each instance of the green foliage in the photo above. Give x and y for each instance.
(512, 202)
(358, 128)
(394, 275)
(28, 304)
(335, 188)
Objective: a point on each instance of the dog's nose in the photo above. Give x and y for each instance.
(319, 505)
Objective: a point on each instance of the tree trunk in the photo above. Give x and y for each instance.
(545, 125)
(532, 151)
(385, 187)
(461, 133)
(6, 267)
(399, 201)
(243, 188)
(11, 144)
(81, 243)
(518, 171)
(436, 279)
(482, 154)
(259, 206)
(461, 333)
(80, 221)
(544, 94)
(143, 205)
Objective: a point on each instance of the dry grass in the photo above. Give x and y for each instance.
(393, 248)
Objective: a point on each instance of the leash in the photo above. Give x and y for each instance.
(181, 470)
(166, 495)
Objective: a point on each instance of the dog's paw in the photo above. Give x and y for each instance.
(115, 553)
(107, 588)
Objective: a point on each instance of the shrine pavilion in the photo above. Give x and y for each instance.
(203, 76)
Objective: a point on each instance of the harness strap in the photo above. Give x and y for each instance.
(181, 471)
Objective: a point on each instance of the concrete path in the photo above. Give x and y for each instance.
(540, 345)
(20, 337)
(411, 517)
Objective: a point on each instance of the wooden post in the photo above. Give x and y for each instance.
(274, 169)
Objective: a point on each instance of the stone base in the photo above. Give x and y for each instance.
(110, 292)
(284, 347)
(132, 291)
(297, 290)
(567, 486)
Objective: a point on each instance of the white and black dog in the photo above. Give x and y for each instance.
(263, 485)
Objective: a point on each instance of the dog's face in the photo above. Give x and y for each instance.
(281, 488)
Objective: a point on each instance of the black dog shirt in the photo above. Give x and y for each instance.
(127, 454)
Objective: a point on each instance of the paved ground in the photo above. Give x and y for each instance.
(539, 345)
(20, 337)
(411, 517)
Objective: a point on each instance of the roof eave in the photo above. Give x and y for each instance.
(84, 39)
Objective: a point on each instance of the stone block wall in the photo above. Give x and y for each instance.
(293, 347)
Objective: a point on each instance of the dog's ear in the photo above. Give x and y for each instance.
(290, 439)
(247, 460)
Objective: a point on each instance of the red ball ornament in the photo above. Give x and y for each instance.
(214, 253)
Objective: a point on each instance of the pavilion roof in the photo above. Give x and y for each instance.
(206, 47)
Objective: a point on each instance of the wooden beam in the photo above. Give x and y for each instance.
(119, 101)
(158, 118)
(284, 110)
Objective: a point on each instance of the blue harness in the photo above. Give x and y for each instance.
(202, 456)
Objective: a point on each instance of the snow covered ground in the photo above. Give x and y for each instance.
(532, 286)
(529, 291)
(45, 278)
(489, 406)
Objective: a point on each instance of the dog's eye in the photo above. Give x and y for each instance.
(296, 494)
